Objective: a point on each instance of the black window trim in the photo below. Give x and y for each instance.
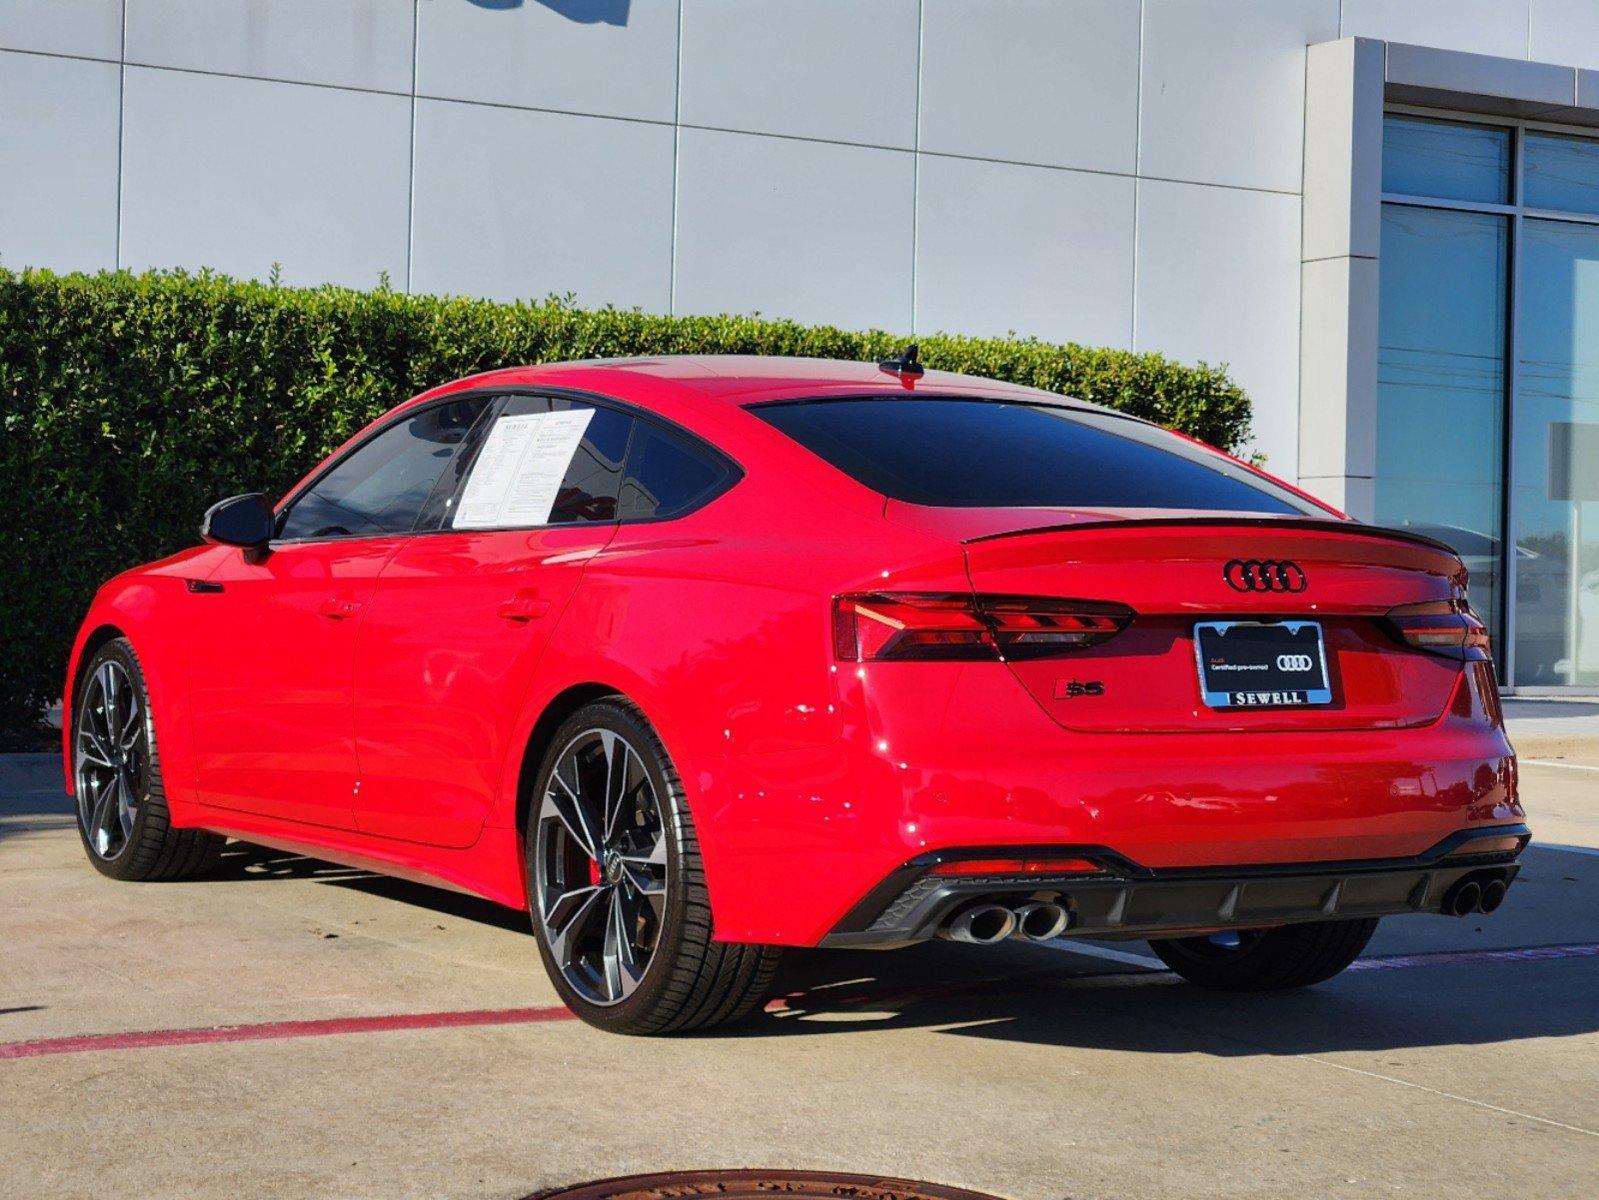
(1043, 400)
(732, 470)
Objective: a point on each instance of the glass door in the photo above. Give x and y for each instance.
(1441, 387)
(1556, 455)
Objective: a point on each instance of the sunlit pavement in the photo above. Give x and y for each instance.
(343, 1035)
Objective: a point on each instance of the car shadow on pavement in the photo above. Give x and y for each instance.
(243, 861)
(1452, 986)
(1049, 995)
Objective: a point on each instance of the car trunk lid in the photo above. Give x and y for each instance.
(1178, 571)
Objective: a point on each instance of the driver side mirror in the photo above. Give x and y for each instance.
(239, 521)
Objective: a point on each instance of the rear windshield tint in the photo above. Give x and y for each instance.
(957, 453)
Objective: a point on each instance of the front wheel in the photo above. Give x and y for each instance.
(1267, 960)
(123, 817)
(617, 888)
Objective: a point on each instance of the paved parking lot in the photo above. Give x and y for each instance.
(1460, 1059)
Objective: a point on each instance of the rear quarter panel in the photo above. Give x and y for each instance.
(718, 625)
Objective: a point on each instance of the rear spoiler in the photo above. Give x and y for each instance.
(1315, 524)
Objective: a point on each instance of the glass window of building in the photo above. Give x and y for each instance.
(1488, 376)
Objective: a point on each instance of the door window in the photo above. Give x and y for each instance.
(541, 460)
(381, 486)
(666, 475)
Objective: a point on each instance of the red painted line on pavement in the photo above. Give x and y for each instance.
(800, 1003)
(282, 1029)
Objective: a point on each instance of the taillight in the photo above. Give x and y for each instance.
(1019, 866)
(1509, 844)
(960, 627)
(1446, 627)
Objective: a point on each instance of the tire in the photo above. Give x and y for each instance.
(129, 836)
(643, 895)
(1268, 960)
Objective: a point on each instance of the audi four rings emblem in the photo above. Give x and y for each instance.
(1295, 662)
(1264, 575)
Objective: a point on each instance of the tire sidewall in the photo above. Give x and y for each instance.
(120, 651)
(620, 718)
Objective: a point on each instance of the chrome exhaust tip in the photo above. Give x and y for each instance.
(1040, 922)
(1493, 895)
(980, 925)
(1462, 899)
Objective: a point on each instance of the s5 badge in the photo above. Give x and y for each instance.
(1069, 689)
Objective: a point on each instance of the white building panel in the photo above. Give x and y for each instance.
(1564, 31)
(237, 174)
(1037, 250)
(809, 230)
(1223, 99)
(1218, 281)
(347, 43)
(58, 141)
(832, 69)
(1032, 81)
(516, 205)
(89, 28)
(1479, 26)
(614, 58)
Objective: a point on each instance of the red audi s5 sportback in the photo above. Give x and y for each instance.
(698, 658)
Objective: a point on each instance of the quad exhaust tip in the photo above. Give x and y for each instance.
(1040, 922)
(985, 924)
(981, 925)
(1493, 895)
(1463, 899)
(1475, 894)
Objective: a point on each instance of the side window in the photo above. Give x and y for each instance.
(667, 475)
(381, 487)
(521, 471)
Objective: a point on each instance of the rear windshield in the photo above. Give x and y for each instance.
(957, 453)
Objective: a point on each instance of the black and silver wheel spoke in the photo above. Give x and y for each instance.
(109, 756)
(646, 874)
(622, 969)
(573, 810)
(601, 866)
(569, 917)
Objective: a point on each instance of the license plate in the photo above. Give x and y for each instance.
(1261, 664)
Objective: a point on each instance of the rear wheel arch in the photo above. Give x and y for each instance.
(568, 701)
(555, 713)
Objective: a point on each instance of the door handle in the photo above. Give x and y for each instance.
(524, 606)
(335, 608)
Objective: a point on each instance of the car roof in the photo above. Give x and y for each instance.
(705, 383)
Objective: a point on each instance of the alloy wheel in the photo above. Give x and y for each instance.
(111, 749)
(601, 866)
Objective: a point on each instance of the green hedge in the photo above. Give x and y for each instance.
(130, 402)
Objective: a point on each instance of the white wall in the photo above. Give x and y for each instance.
(1117, 172)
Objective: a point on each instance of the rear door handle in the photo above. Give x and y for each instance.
(524, 606)
(335, 608)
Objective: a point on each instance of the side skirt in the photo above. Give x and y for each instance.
(491, 867)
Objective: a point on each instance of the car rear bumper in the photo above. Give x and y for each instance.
(1128, 900)
(935, 761)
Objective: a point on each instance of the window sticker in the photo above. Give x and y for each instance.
(518, 475)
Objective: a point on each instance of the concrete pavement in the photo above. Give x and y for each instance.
(1563, 727)
(1454, 1062)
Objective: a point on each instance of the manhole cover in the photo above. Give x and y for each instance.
(757, 1185)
